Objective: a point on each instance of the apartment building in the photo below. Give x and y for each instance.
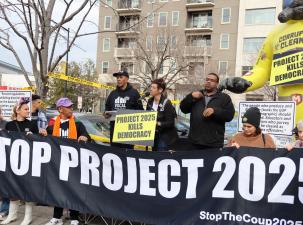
(204, 32)
(221, 36)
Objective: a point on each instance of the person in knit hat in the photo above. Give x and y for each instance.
(252, 135)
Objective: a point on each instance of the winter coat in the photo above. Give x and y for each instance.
(122, 99)
(209, 131)
(256, 141)
(166, 116)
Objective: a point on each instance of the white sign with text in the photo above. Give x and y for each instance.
(8, 100)
(277, 118)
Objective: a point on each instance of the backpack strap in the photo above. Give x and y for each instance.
(264, 139)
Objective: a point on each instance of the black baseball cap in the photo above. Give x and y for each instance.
(35, 97)
(121, 73)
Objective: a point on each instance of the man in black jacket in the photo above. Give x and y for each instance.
(209, 109)
(123, 97)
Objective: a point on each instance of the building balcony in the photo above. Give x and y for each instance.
(129, 7)
(196, 5)
(199, 27)
(197, 51)
(124, 53)
(123, 29)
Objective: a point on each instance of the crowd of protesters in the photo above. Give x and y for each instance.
(209, 110)
(64, 125)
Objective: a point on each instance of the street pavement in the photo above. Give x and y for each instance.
(42, 214)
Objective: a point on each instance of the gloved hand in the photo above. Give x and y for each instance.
(293, 12)
(236, 85)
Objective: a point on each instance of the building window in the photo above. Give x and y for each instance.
(109, 3)
(199, 40)
(135, 4)
(127, 66)
(226, 15)
(196, 70)
(161, 69)
(161, 42)
(224, 41)
(150, 20)
(260, 16)
(223, 67)
(175, 18)
(246, 69)
(252, 45)
(173, 66)
(105, 66)
(107, 22)
(127, 43)
(162, 19)
(201, 20)
(173, 42)
(149, 43)
(106, 45)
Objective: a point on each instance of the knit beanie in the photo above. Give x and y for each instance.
(252, 116)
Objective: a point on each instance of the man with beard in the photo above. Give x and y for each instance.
(209, 110)
(279, 61)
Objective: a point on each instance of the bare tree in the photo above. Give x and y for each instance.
(33, 23)
(161, 54)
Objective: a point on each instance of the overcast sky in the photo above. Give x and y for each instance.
(87, 44)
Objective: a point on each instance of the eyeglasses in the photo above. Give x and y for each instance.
(211, 80)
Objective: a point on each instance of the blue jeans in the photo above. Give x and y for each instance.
(5, 205)
(160, 145)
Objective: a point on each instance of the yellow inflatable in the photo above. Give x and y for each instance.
(280, 60)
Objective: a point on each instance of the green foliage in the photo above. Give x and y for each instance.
(90, 95)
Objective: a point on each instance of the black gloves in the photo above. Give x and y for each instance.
(294, 12)
(236, 85)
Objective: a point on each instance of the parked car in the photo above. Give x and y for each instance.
(182, 127)
(96, 125)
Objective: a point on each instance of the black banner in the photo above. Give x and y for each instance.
(246, 186)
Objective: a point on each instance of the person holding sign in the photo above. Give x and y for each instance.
(20, 123)
(209, 109)
(166, 133)
(252, 135)
(65, 126)
(123, 97)
(299, 142)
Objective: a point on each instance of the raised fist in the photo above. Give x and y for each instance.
(236, 85)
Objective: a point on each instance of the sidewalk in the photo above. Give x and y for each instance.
(42, 214)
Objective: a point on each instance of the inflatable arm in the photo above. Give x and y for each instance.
(262, 69)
